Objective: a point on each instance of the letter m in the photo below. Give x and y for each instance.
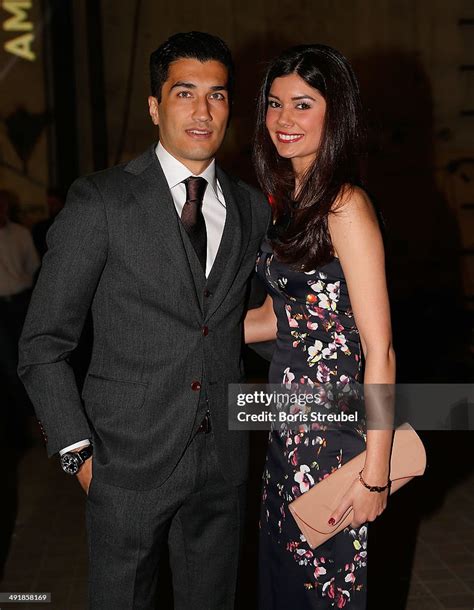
(18, 22)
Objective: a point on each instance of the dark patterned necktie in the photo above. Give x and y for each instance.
(192, 218)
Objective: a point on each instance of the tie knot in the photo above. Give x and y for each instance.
(195, 188)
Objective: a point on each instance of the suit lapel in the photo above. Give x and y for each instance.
(233, 243)
(152, 193)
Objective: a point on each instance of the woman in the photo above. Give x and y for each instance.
(323, 267)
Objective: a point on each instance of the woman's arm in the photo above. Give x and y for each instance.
(260, 324)
(357, 241)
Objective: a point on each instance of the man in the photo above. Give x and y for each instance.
(161, 249)
(18, 264)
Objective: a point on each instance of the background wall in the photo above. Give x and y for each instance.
(80, 106)
(23, 106)
(87, 92)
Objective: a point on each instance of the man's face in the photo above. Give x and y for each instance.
(193, 112)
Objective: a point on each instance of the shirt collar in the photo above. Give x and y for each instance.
(175, 172)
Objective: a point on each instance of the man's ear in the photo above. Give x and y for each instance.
(153, 109)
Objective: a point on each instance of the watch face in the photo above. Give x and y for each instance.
(70, 463)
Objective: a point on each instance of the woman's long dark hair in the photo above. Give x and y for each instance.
(304, 240)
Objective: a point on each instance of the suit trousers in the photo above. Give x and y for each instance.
(195, 511)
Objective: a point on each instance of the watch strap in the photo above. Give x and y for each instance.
(85, 453)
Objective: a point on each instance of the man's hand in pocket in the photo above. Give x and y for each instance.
(84, 475)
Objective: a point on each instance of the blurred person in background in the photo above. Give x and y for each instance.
(18, 263)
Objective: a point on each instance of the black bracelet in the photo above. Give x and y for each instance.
(376, 488)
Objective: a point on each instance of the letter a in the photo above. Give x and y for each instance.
(21, 47)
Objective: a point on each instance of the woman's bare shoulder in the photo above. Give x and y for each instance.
(352, 205)
(353, 223)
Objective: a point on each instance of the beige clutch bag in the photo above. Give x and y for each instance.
(313, 508)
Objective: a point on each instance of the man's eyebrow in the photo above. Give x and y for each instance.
(185, 85)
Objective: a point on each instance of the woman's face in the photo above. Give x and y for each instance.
(295, 119)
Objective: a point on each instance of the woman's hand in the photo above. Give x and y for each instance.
(367, 505)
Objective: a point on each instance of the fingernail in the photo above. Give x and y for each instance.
(331, 521)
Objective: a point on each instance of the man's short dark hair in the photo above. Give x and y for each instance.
(188, 45)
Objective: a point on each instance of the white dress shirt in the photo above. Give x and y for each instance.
(213, 210)
(213, 204)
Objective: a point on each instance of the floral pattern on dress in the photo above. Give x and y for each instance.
(318, 346)
(302, 453)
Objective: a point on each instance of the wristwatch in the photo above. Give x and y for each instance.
(72, 461)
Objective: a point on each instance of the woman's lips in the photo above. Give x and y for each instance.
(288, 138)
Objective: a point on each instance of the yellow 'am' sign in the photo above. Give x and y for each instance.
(18, 23)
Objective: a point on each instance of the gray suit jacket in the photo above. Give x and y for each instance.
(118, 249)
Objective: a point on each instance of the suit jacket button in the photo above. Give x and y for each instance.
(205, 331)
(195, 386)
(207, 293)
